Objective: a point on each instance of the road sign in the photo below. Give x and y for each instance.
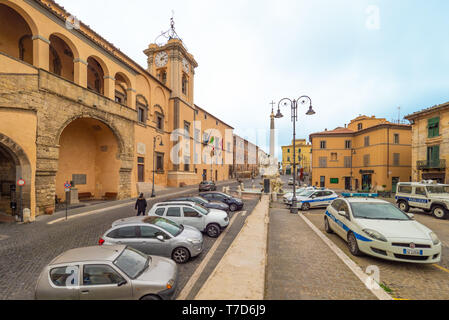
(20, 182)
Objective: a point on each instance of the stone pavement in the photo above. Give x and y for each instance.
(302, 267)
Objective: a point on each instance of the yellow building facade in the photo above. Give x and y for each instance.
(73, 107)
(303, 157)
(430, 147)
(368, 154)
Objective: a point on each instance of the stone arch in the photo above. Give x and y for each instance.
(69, 43)
(97, 70)
(140, 96)
(24, 14)
(109, 124)
(61, 57)
(13, 152)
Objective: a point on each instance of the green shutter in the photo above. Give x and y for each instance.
(433, 126)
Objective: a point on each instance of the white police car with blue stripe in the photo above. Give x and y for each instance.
(378, 228)
(315, 198)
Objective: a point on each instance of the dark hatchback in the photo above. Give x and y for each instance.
(204, 202)
(233, 203)
(207, 186)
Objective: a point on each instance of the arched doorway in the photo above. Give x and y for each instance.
(15, 35)
(14, 165)
(89, 154)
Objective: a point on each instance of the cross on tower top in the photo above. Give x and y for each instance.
(272, 106)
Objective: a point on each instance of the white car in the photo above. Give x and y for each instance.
(289, 196)
(315, 199)
(210, 221)
(290, 182)
(377, 228)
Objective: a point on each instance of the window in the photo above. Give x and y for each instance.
(348, 144)
(366, 160)
(162, 75)
(141, 114)
(160, 212)
(149, 232)
(159, 162)
(396, 159)
(366, 141)
(405, 189)
(190, 213)
(123, 233)
(347, 162)
(186, 164)
(433, 127)
(323, 145)
(187, 128)
(184, 84)
(334, 156)
(433, 155)
(323, 162)
(173, 212)
(120, 97)
(360, 126)
(159, 121)
(420, 191)
(65, 276)
(288, 150)
(140, 169)
(197, 134)
(288, 159)
(100, 275)
(396, 138)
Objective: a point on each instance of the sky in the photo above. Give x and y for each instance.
(351, 57)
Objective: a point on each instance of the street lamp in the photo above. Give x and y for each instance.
(153, 194)
(294, 108)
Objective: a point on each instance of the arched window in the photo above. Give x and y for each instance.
(162, 76)
(185, 83)
(61, 58)
(142, 109)
(95, 76)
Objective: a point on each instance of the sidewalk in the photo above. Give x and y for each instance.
(160, 196)
(301, 267)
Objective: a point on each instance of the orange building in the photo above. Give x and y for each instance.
(368, 154)
(73, 107)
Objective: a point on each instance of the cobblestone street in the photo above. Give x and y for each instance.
(26, 249)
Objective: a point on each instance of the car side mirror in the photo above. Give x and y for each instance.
(160, 238)
(411, 216)
(122, 283)
(342, 213)
(313, 197)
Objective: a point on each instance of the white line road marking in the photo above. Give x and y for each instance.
(194, 278)
(378, 291)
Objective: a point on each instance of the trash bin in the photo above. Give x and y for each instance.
(266, 186)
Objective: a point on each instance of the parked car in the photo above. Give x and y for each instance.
(315, 199)
(210, 221)
(233, 203)
(207, 186)
(377, 228)
(107, 273)
(430, 197)
(289, 196)
(203, 202)
(157, 236)
(290, 182)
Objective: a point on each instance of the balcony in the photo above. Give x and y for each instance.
(431, 164)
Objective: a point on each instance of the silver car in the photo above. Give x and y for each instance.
(156, 236)
(107, 273)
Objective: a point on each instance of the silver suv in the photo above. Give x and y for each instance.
(210, 221)
(426, 195)
(156, 236)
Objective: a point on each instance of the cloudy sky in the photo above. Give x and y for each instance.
(350, 56)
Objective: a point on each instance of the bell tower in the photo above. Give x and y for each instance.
(173, 65)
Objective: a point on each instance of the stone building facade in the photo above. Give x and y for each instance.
(73, 107)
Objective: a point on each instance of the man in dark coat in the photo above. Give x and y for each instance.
(141, 205)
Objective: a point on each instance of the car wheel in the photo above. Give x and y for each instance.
(180, 255)
(305, 206)
(213, 230)
(327, 226)
(353, 245)
(150, 297)
(439, 212)
(403, 206)
(233, 207)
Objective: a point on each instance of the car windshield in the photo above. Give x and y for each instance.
(132, 262)
(171, 227)
(377, 211)
(437, 189)
(200, 200)
(202, 209)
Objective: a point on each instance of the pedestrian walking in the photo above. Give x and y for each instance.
(141, 205)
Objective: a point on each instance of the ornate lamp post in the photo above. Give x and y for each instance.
(294, 108)
(153, 194)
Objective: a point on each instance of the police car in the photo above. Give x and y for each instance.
(378, 228)
(289, 196)
(426, 195)
(315, 199)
